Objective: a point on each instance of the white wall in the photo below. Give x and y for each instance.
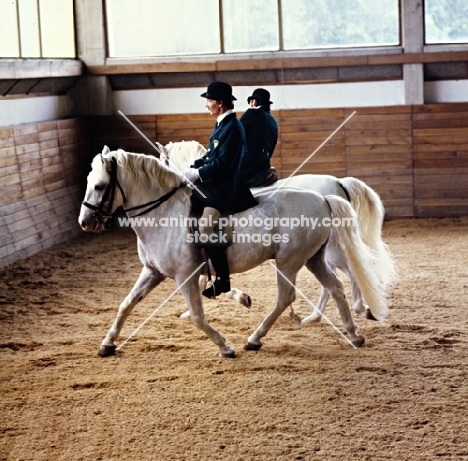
(188, 100)
(325, 95)
(33, 109)
(446, 91)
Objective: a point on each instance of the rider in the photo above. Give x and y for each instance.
(261, 132)
(216, 175)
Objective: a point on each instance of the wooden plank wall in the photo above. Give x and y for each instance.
(41, 178)
(415, 157)
(440, 156)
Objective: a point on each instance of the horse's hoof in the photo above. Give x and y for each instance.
(252, 346)
(296, 319)
(248, 302)
(107, 351)
(311, 319)
(369, 315)
(358, 341)
(229, 353)
(185, 315)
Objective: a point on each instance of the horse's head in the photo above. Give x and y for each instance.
(163, 152)
(103, 192)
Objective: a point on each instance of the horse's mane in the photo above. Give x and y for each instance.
(147, 169)
(183, 153)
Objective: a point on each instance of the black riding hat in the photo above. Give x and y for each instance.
(219, 91)
(261, 95)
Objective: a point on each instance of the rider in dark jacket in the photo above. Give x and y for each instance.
(261, 131)
(216, 175)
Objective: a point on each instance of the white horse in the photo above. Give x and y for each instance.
(142, 184)
(364, 200)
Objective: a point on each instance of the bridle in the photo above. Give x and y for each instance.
(166, 155)
(109, 195)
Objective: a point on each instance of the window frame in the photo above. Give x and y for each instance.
(223, 55)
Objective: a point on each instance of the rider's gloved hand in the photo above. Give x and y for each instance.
(191, 174)
(199, 162)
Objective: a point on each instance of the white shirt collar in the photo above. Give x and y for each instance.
(223, 116)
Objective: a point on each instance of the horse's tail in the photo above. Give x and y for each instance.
(370, 215)
(363, 260)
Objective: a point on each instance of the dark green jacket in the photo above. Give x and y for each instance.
(261, 132)
(220, 169)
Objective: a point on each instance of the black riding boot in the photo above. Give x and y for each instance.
(218, 257)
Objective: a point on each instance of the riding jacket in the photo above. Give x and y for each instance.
(219, 170)
(261, 132)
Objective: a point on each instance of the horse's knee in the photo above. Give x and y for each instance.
(197, 320)
(288, 297)
(337, 289)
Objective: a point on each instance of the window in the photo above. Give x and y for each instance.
(446, 21)
(162, 27)
(141, 28)
(37, 29)
(250, 26)
(309, 24)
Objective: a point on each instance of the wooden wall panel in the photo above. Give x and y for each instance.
(302, 133)
(440, 154)
(378, 151)
(187, 127)
(40, 169)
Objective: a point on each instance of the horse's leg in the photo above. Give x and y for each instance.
(239, 296)
(318, 266)
(358, 302)
(286, 296)
(336, 254)
(319, 308)
(333, 254)
(235, 294)
(335, 257)
(147, 280)
(193, 298)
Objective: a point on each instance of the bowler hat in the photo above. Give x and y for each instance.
(261, 95)
(219, 91)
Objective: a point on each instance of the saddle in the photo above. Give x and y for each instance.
(271, 178)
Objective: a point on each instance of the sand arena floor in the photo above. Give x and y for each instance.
(166, 395)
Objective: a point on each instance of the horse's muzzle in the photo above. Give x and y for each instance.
(91, 226)
(91, 222)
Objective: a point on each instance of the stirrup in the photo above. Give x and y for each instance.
(219, 286)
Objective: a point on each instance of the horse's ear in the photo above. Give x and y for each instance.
(105, 150)
(160, 148)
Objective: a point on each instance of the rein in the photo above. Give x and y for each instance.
(154, 203)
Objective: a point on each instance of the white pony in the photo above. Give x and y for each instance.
(364, 200)
(142, 184)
